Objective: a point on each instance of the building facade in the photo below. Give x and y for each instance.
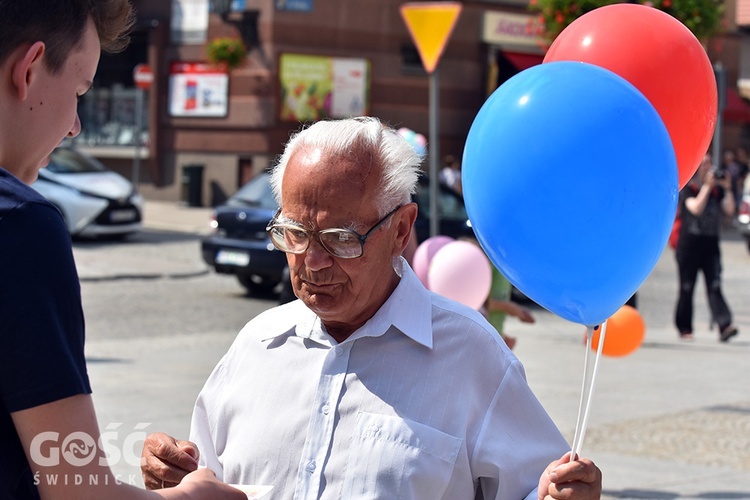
(208, 129)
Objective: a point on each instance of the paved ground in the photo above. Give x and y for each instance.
(670, 421)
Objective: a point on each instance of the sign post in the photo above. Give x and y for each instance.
(430, 25)
(721, 86)
(143, 77)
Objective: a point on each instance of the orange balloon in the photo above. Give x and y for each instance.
(625, 333)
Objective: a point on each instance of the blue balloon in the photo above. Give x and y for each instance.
(570, 182)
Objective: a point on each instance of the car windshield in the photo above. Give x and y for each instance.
(256, 193)
(68, 161)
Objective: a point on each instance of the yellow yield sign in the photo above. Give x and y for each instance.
(430, 25)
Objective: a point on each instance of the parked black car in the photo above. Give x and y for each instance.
(239, 244)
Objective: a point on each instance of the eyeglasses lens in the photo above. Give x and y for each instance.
(287, 239)
(295, 238)
(341, 243)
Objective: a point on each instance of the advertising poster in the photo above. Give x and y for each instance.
(349, 87)
(198, 90)
(317, 87)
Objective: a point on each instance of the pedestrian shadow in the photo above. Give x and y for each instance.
(104, 360)
(639, 493)
(144, 236)
(635, 493)
(696, 346)
(721, 494)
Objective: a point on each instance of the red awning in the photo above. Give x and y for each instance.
(737, 108)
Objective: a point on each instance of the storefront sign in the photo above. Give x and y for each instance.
(512, 31)
(317, 87)
(298, 5)
(189, 21)
(198, 90)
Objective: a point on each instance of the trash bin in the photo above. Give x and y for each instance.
(192, 185)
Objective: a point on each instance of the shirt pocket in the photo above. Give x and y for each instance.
(392, 457)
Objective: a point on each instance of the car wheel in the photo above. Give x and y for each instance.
(256, 284)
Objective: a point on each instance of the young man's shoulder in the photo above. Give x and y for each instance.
(14, 193)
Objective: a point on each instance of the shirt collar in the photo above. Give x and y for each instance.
(408, 309)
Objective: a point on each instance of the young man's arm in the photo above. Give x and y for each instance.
(76, 414)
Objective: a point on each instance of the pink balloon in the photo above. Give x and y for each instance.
(423, 256)
(461, 271)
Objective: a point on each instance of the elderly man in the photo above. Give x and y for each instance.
(369, 386)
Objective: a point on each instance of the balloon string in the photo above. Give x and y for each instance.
(584, 385)
(587, 390)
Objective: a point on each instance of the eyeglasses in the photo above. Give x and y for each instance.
(339, 242)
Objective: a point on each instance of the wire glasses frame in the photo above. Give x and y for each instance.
(339, 242)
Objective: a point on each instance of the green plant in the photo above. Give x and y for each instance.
(702, 17)
(228, 50)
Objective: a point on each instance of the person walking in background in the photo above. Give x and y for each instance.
(499, 305)
(450, 175)
(738, 181)
(736, 170)
(703, 202)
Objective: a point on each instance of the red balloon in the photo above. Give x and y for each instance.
(662, 58)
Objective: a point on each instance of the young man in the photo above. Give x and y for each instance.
(369, 386)
(49, 51)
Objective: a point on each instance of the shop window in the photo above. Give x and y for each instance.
(411, 62)
(108, 110)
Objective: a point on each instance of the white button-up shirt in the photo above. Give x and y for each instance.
(424, 401)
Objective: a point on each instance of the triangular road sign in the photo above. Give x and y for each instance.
(430, 25)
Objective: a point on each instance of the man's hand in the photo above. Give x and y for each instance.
(165, 460)
(566, 480)
(203, 484)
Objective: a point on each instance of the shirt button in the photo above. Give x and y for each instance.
(339, 351)
(325, 409)
(310, 467)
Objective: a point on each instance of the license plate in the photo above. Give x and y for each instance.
(232, 258)
(122, 215)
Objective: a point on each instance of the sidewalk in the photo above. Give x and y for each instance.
(171, 216)
(146, 260)
(671, 421)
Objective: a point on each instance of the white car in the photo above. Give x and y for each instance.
(94, 200)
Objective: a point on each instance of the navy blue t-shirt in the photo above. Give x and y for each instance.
(41, 321)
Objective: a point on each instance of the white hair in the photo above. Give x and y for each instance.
(372, 143)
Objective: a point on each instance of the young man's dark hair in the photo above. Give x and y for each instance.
(60, 24)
